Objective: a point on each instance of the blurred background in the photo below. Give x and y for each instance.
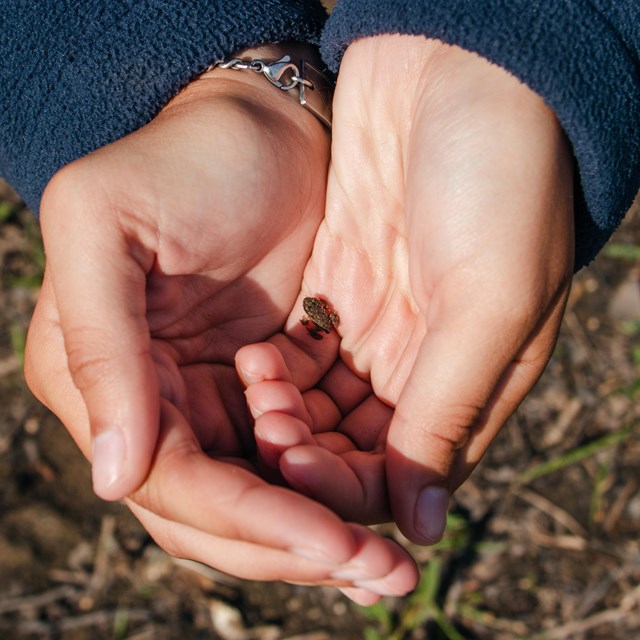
(542, 541)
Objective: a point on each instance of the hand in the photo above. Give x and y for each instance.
(167, 251)
(447, 251)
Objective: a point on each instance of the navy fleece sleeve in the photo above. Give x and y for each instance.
(581, 56)
(76, 75)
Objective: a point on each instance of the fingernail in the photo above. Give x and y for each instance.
(248, 376)
(313, 554)
(353, 573)
(255, 413)
(430, 516)
(108, 459)
(381, 586)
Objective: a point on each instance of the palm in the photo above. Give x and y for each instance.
(439, 207)
(192, 245)
(199, 320)
(230, 253)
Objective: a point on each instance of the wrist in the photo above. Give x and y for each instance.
(299, 92)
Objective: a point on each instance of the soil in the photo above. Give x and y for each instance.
(542, 540)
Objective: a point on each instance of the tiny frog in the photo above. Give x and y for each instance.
(319, 317)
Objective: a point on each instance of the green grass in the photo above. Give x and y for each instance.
(622, 251)
(417, 609)
(18, 336)
(6, 211)
(578, 454)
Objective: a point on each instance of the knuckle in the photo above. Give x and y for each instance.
(452, 436)
(155, 494)
(450, 426)
(63, 190)
(90, 358)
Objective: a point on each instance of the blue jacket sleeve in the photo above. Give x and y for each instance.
(581, 56)
(77, 75)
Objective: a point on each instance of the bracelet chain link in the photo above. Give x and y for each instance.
(315, 88)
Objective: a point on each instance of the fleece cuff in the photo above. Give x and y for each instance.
(583, 58)
(76, 76)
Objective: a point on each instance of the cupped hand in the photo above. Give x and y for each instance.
(166, 252)
(447, 251)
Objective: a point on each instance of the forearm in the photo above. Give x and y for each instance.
(582, 58)
(77, 76)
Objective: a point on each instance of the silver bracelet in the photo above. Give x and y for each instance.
(315, 89)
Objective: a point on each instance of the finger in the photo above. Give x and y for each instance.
(389, 568)
(367, 425)
(381, 556)
(46, 369)
(275, 433)
(325, 541)
(516, 382)
(294, 356)
(274, 395)
(278, 431)
(261, 361)
(453, 404)
(281, 418)
(290, 360)
(98, 274)
(351, 483)
(188, 487)
(244, 509)
(240, 558)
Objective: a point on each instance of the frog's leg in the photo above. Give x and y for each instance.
(312, 328)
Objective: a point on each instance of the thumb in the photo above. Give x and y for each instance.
(465, 383)
(99, 275)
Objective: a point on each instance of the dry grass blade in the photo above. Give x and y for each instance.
(554, 511)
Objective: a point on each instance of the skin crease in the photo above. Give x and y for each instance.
(166, 252)
(447, 250)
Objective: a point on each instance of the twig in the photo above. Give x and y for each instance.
(568, 543)
(554, 511)
(600, 590)
(574, 629)
(556, 434)
(618, 507)
(574, 326)
(32, 628)
(104, 551)
(38, 600)
(62, 576)
(104, 617)
(490, 621)
(10, 365)
(96, 618)
(623, 612)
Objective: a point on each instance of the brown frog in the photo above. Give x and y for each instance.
(319, 317)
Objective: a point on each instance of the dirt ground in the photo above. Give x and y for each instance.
(542, 541)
